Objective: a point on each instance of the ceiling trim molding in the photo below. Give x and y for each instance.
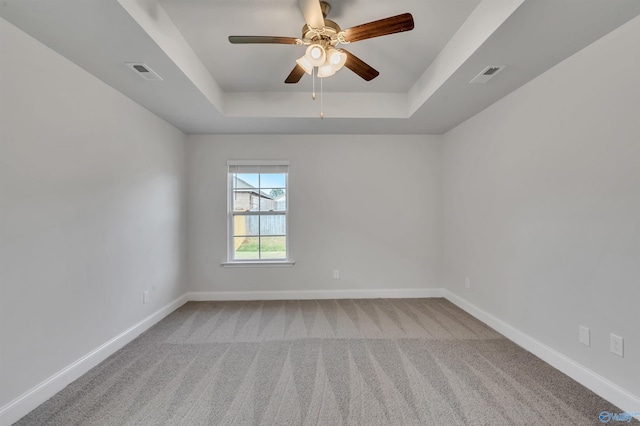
(301, 105)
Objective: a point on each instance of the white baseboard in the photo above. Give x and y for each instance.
(606, 389)
(408, 293)
(22, 405)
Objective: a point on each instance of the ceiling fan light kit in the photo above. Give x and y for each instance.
(325, 70)
(337, 58)
(316, 55)
(328, 60)
(304, 63)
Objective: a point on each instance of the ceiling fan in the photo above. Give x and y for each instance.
(322, 36)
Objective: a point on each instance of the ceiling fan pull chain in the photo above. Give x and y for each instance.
(313, 78)
(321, 108)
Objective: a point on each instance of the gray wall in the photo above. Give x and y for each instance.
(91, 213)
(542, 206)
(366, 205)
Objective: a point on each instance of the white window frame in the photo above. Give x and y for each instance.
(248, 164)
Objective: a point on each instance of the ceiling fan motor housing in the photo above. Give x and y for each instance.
(328, 34)
(325, 8)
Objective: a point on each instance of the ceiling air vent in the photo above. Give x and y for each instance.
(143, 71)
(487, 74)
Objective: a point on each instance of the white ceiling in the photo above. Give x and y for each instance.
(212, 86)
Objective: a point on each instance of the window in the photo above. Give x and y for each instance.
(257, 210)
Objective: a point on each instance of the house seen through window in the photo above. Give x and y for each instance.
(258, 211)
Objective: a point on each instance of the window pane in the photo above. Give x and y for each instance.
(273, 180)
(278, 197)
(246, 226)
(246, 248)
(245, 180)
(255, 200)
(273, 225)
(242, 200)
(273, 247)
(267, 204)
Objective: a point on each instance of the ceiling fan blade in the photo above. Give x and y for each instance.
(296, 74)
(312, 13)
(262, 39)
(360, 67)
(386, 26)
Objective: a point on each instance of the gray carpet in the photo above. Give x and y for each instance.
(327, 362)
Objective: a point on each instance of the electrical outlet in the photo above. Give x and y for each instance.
(336, 274)
(584, 335)
(467, 283)
(145, 296)
(617, 345)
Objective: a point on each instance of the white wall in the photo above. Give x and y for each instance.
(542, 206)
(368, 206)
(91, 213)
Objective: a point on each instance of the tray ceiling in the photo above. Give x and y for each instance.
(211, 86)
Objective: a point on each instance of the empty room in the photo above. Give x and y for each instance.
(304, 212)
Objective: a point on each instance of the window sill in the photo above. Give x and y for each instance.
(260, 264)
